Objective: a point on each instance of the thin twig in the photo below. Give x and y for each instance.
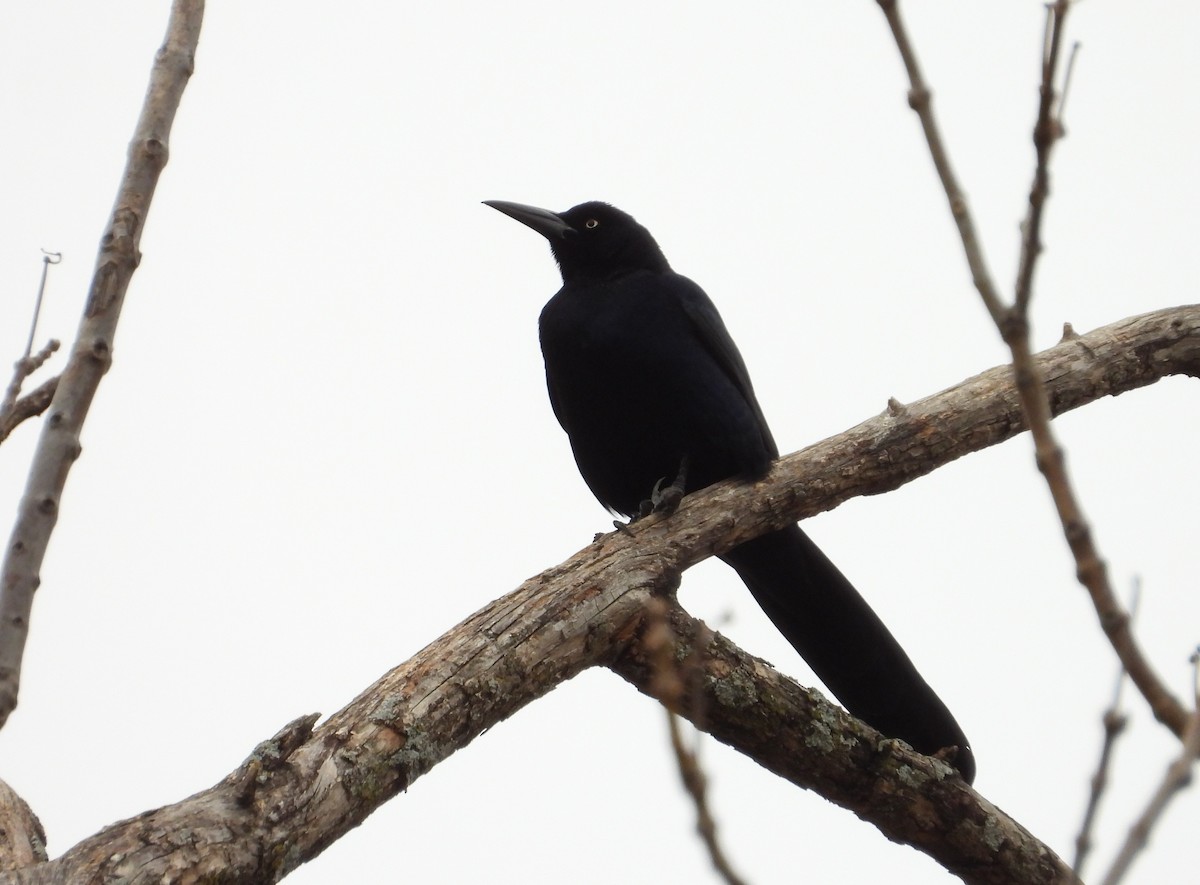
(1046, 132)
(1013, 325)
(920, 99)
(1114, 726)
(22, 369)
(1178, 776)
(1051, 460)
(670, 683)
(1060, 113)
(28, 406)
(27, 364)
(696, 783)
(59, 446)
(48, 258)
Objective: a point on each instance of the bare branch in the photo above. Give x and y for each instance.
(1046, 132)
(91, 355)
(1051, 460)
(301, 792)
(695, 781)
(1114, 722)
(920, 99)
(1178, 776)
(303, 789)
(28, 406)
(22, 839)
(22, 369)
(795, 733)
(48, 258)
(1014, 329)
(28, 363)
(673, 678)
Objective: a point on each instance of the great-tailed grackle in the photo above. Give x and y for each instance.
(649, 386)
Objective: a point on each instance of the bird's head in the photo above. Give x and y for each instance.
(592, 241)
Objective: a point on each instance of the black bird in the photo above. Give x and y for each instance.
(649, 387)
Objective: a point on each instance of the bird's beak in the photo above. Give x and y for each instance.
(545, 222)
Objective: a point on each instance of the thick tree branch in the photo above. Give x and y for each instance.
(91, 355)
(22, 839)
(304, 789)
(797, 734)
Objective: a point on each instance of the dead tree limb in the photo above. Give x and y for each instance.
(305, 788)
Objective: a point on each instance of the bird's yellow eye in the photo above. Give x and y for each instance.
(591, 223)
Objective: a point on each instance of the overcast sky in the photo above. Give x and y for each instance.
(325, 438)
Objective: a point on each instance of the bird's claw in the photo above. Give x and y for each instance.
(665, 499)
(645, 508)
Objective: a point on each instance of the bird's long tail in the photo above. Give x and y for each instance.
(842, 639)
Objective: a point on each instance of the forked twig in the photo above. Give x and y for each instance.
(1012, 322)
(28, 406)
(28, 363)
(1178, 776)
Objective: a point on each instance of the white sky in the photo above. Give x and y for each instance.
(325, 438)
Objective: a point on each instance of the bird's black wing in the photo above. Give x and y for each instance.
(554, 399)
(712, 334)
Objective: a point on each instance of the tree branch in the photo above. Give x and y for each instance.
(59, 446)
(797, 734)
(22, 839)
(305, 788)
(920, 99)
(1177, 777)
(669, 679)
(28, 406)
(1013, 325)
(22, 369)
(30, 363)
(1114, 722)
(1046, 132)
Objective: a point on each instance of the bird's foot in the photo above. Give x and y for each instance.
(644, 509)
(665, 499)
